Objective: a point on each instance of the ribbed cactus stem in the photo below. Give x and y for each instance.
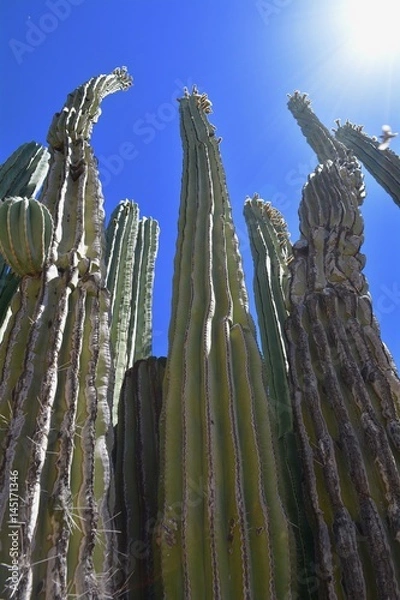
(317, 135)
(23, 173)
(346, 395)
(223, 532)
(272, 253)
(131, 252)
(137, 468)
(146, 252)
(55, 369)
(384, 166)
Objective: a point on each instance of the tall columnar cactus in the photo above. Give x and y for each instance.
(223, 532)
(345, 388)
(346, 395)
(55, 370)
(131, 252)
(272, 253)
(384, 166)
(21, 175)
(137, 468)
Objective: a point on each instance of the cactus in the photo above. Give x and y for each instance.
(55, 371)
(345, 390)
(22, 174)
(26, 230)
(131, 252)
(137, 473)
(24, 171)
(383, 166)
(317, 135)
(272, 253)
(219, 452)
(223, 532)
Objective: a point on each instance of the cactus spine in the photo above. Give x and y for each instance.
(345, 389)
(223, 532)
(55, 369)
(131, 252)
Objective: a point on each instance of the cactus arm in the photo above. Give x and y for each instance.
(232, 539)
(146, 253)
(122, 236)
(40, 377)
(324, 144)
(23, 173)
(383, 166)
(271, 252)
(346, 393)
(131, 252)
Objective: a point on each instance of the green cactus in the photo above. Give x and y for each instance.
(137, 468)
(219, 453)
(22, 175)
(384, 166)
(55, 372)
(345, 388)
(26, 230)
(272, 253)
(223, 532)
(131, 252)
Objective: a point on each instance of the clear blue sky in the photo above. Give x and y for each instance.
(247, 56)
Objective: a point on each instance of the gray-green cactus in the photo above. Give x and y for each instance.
(26, 231)
(55, 371)
(22, 174)
(384, 166)
(223, 532)
(272, 253)
(345, 389)
(131, 252)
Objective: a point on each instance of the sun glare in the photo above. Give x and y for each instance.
(371, 27)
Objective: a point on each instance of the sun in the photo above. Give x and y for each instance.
(371, 28)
